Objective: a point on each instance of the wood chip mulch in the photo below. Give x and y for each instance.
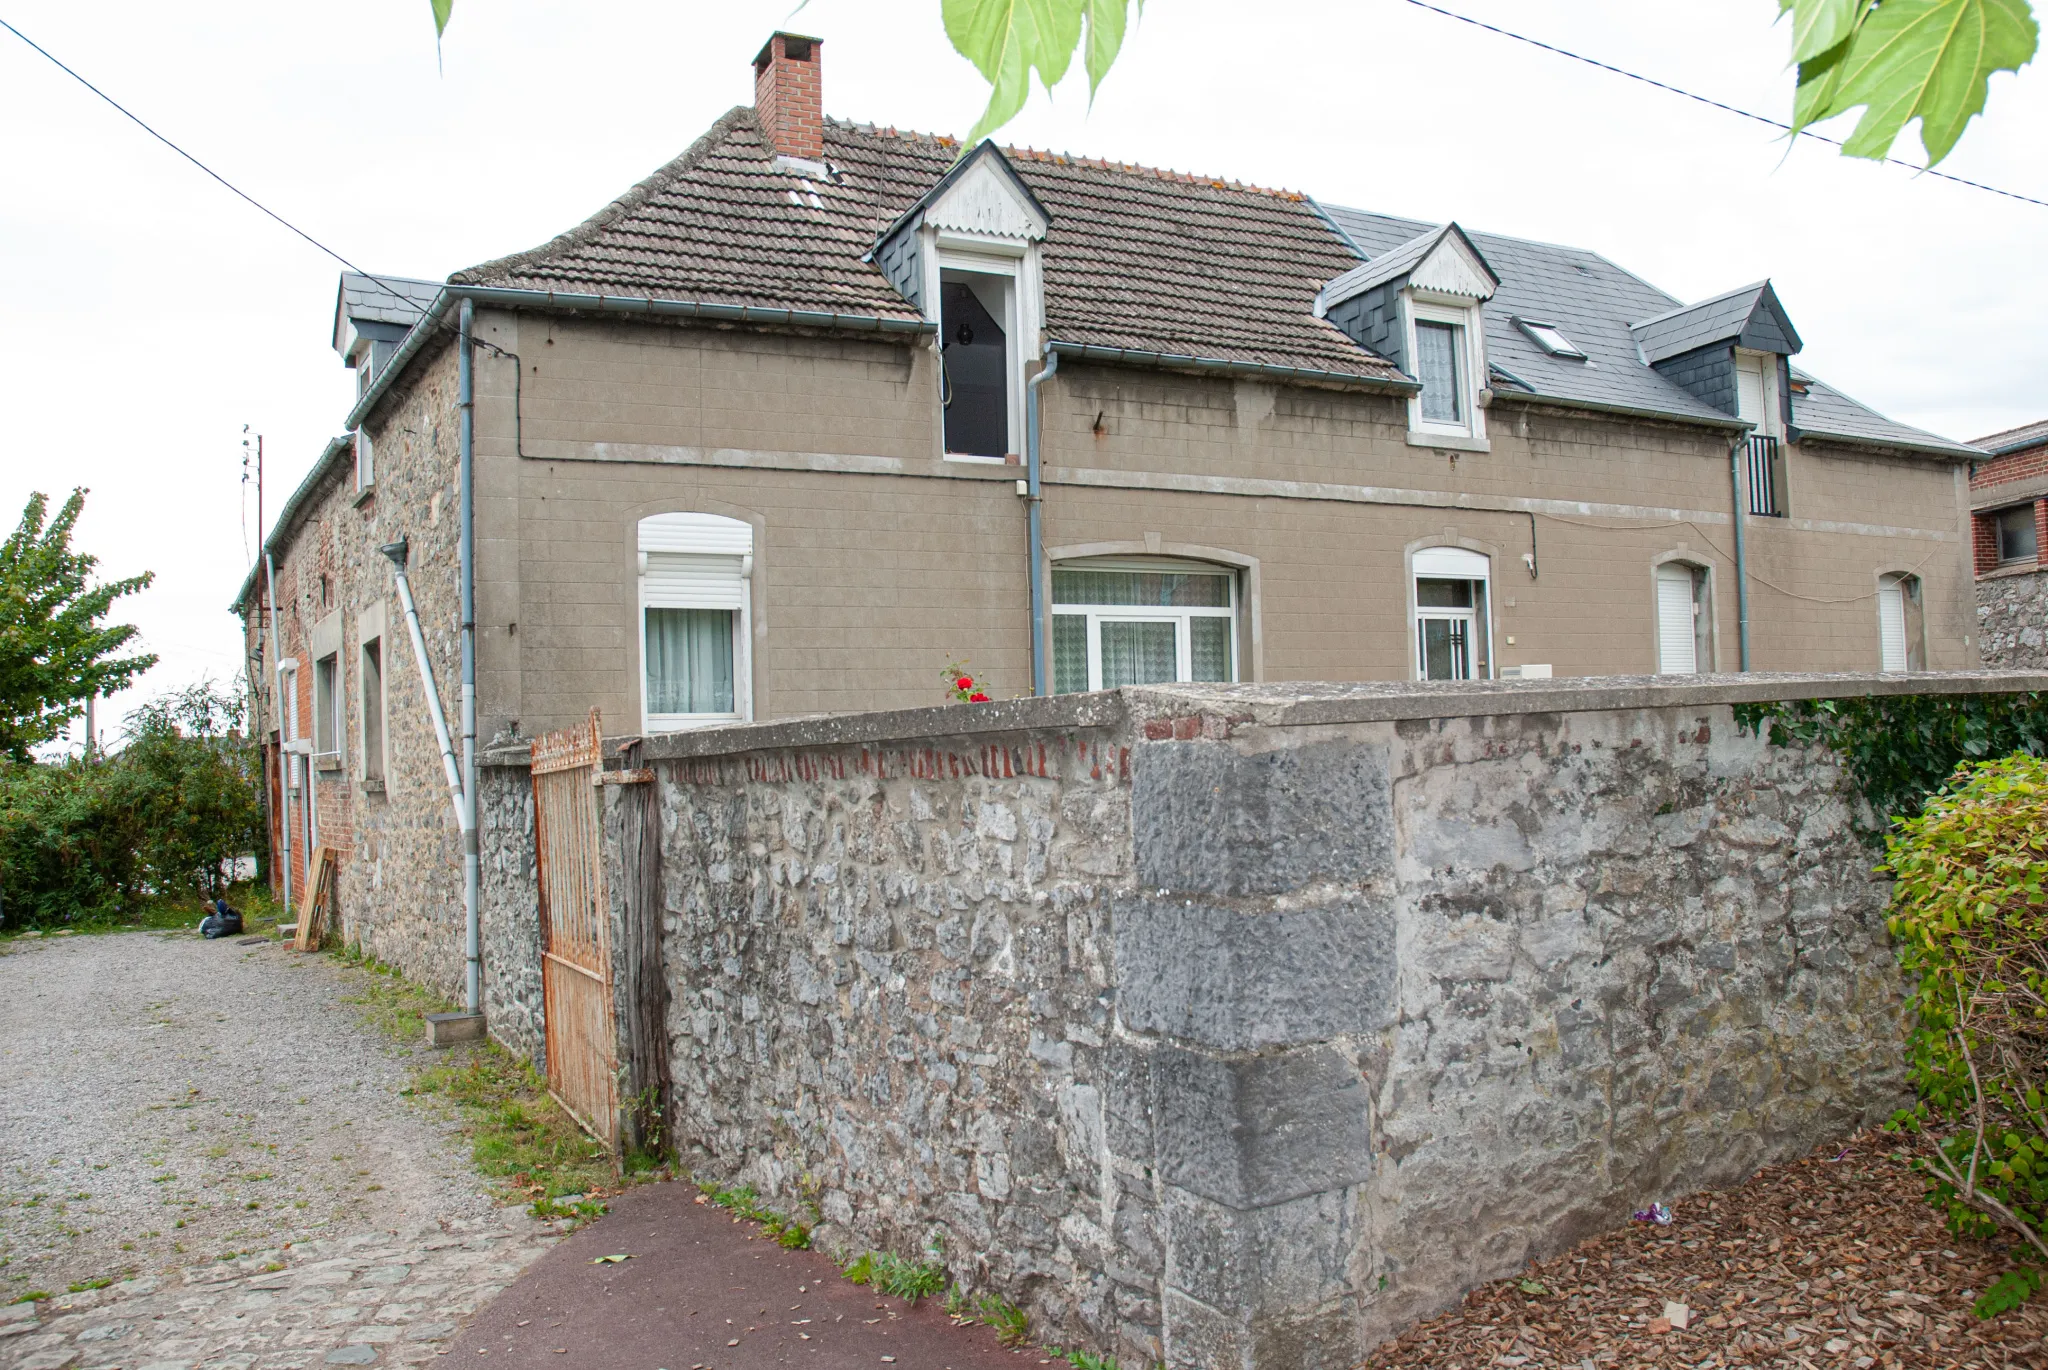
(1831, 1262)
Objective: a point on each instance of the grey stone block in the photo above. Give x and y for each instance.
(1249, 1133)
(446, 1029)
(1207, 819)
(1263, 1262)
(1244, 981)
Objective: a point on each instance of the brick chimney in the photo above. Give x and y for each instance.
(789, 96)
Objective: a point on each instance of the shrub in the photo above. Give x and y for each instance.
(1971, 923)
(69, 842)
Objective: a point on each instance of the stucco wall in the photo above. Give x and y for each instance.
(1243, 1026)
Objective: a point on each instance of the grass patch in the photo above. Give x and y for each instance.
(83, 1285)
(1011, 1323)
(517, 1133)
(32, 1296)
(393, 1004)
(165, 913)
(892, 1275)
(742, 1201)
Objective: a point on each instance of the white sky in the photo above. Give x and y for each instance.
(146, 315)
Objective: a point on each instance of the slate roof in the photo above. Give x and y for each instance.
(380, 299)
(1595, 303)
(1396, 262)
(1134, 259)
(2013, 439)
(1689, 327)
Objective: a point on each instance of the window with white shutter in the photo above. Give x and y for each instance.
(1684, 622)
(695, 571)
(1900, 646)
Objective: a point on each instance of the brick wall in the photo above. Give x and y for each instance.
(2001, 470)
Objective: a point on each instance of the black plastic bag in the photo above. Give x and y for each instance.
(222, 922)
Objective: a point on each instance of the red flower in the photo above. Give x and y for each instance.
(965, 682)
(977, 698)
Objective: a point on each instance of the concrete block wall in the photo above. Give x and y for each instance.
(1242, 1026)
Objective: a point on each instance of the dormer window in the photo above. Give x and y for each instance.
(978, 365)
(1444, 361)
(1418, 305)
(1551, 339)
(967, 255)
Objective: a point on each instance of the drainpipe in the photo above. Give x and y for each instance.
(471, 855)
(397, 552)
(1033, 427)
(284, 758)
(1735, 484)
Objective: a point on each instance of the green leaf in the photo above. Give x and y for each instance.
(1818, 25)
(442, 9)
(1929, 60)
(1007, 40)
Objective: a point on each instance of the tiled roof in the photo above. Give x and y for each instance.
(1135, 259)
(2012, 439)
(1594, 302)
(379, 299)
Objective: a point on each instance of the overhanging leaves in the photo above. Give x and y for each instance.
(1902, 60)
(1007, 40)
(442, 9)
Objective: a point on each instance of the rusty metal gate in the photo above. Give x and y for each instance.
(576, 959)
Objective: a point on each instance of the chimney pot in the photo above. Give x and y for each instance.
(789, 96)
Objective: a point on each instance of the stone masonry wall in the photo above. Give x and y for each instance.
(1242, 1026)
(2012, 620)
(509, 904)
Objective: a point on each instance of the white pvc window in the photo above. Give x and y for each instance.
(1142, 622)
(1453, 620)
(366, 460)
(1683, 622)
(327, 705)
(1899, 646)
(980, 375)
(695, 571)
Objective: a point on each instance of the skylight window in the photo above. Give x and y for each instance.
(1551, 339)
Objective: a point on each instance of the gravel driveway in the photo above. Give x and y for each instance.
(168, 1103)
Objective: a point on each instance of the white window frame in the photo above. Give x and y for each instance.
(332, 714)
(1702, 601)
(366, 459)
(722, 536)
(1899, 585)
(381, 754)
(1449, 563)
(1764, 365)
(1183, 637)
(1465, 317)
(1009, 263)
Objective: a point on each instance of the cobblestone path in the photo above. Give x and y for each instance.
(215, 1129)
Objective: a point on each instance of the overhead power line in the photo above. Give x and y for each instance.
(1781, 126)
(144, 126)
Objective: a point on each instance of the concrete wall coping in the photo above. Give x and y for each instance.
(1297, 704)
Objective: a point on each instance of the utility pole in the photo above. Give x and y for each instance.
(91, 727)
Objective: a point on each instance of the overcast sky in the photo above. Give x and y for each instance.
(146, 315)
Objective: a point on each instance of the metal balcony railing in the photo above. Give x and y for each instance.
(1763, 477)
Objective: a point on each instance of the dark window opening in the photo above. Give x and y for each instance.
(796, 50)
(974, 356)
(2016, 539)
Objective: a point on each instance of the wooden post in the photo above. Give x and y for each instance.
(646, 987)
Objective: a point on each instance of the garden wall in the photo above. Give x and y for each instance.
(1244, 1025)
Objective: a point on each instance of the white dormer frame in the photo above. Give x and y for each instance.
(982, 222)
(1451, 285)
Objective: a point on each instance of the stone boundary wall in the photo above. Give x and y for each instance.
(2012, 620)
(509, 905)
(1244, 1025)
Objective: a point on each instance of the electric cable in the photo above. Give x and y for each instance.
(1781, 126)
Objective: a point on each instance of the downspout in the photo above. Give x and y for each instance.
(1735, 485)
(471, 855)
(397, 552)
(284, 758)
(1033, 427)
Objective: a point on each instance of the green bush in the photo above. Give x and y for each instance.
(1971, 924)
(1901, 748)
(85, 840)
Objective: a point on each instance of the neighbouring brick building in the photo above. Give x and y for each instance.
(2009, 529)
(757, 441)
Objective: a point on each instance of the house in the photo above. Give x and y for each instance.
(820, 408)
(2009, 527)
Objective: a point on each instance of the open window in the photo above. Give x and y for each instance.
(1142, 621)
(1901, 633)
(1685, 620)
(979, 361)
(695, 575)
(1453, 620)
